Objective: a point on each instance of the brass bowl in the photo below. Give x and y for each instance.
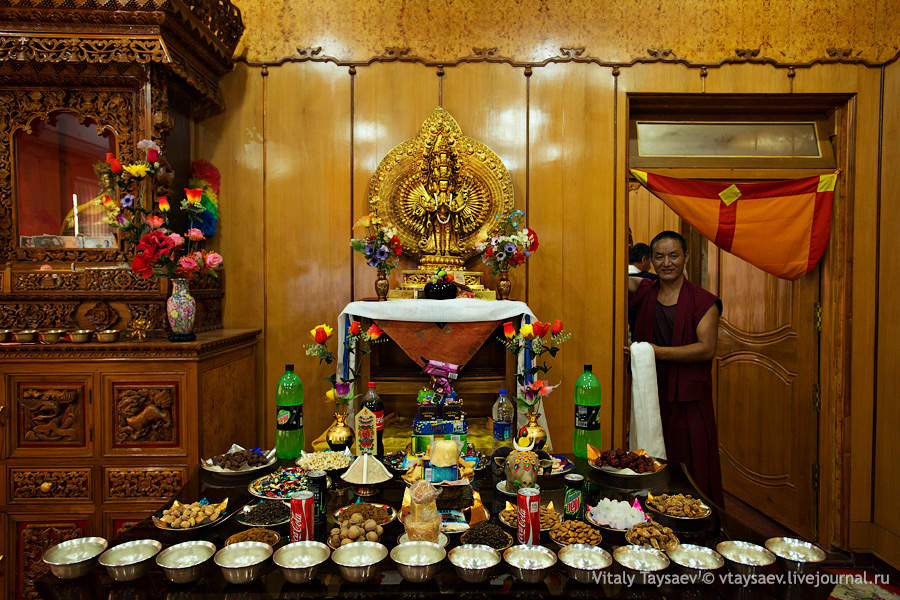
(5, 335)
(51, 336)
(26, 336)
(529, 564)
(183, 563)
(74, 558)
(108, 335)
(80, 336)
(418, 561)
(474, 562)
(128, 561)
(243, 562)
(300, 561)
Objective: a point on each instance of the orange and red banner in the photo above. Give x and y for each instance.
(782, 227)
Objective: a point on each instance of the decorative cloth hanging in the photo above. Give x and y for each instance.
(782, 227)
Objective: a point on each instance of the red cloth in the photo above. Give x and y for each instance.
(686, 407)
(454, 343)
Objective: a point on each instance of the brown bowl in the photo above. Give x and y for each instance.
(108, 335)
(26, 336)
(6, 335)
(80, 336)
(51, 336)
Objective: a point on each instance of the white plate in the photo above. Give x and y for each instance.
(207, 465)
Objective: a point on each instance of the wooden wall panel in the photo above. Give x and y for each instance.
(489, 103)
(887, 469)
(648, 215)
(307, 220)
(748, 79)
(572, 208)
(390, 103)
(233, 141)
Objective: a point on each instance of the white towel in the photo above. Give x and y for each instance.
(646, 424)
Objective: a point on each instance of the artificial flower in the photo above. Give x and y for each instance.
(489, 252)
(382, 253)
(155, 221)
(163, 202)
(342, 388)
(194, 234)
(142, 265)
(213, 260)
(177, 239)
(532, 239)
(354, 327)
(148, 250)
(204, 170)
(122, 220)
(557, 327)
(540, 329)
(115, 165)
(194, 195)
(374, 332)
(398, 249)
(373, 262)
(108, 203)
(365, 221)
(137, 170)
(331, 395)
(509, 330)
(127, 200)
(536, 389)
(152, 156)
(187, 264)
(527, 331)
(321, 333)
(146, 144)
(509, 248)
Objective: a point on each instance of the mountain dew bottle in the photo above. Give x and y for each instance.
(587, 412)
(289, 417)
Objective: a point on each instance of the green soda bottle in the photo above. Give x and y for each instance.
(289, 418)
(587, 413)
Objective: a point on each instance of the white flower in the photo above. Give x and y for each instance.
(145, 145)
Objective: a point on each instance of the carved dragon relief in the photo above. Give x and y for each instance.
(144, 415)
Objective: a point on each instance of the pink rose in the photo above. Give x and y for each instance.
(176, 238)
(213, 260)
(188, 264)
(195, 234)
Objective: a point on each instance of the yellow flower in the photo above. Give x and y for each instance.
(527, 331)
(363, 221)
(331, 395)
(137, 170)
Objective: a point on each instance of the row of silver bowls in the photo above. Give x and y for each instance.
(417, 562)
(52, 336)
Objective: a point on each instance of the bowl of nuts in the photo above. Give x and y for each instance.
(361, 526)
(575, 532)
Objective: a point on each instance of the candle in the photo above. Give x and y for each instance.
(75, 210)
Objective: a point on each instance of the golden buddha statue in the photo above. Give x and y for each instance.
(442, 191)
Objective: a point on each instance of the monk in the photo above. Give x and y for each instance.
(680, 320)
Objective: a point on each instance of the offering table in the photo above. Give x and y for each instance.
(329, 584)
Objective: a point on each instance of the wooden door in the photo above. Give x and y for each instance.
(766, 373)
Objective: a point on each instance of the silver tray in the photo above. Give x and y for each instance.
(207, 465)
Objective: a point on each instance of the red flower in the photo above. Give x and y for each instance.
(395, 240)
(509, 330)
(398, 249)
(155, 222)
(374, 332)
(540, 329)
(205, 171)
(557, 327)
(152, 155)
(519, 257)
(354, 327)
(142, 265)
(114, 164)
(532, 240)
(489, 251)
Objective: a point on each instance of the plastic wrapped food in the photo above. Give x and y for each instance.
(423, 523)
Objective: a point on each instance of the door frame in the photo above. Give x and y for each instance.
(835, 295)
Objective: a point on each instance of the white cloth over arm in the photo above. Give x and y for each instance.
(646, 424)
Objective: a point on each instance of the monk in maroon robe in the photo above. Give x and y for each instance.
(680, 320)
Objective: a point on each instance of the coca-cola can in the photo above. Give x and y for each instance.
(528, 516)
(303, 516)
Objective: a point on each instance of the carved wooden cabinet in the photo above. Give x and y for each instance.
(97, 436)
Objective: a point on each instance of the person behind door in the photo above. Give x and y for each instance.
(680, 320)
(639, 261)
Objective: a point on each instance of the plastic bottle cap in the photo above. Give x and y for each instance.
(502, 392)
(372, 384)
(588, 367)
(289, 367)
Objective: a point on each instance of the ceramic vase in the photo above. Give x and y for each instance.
(382, 284)
(181, 309)
(504, 285)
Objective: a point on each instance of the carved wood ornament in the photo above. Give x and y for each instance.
(34, 538)
(145, 415)
(51, 415)
(144, 483)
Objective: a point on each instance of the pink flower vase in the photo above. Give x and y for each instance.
(181, 308)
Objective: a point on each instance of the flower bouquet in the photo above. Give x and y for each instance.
(341, 393)
(381, 247)
(143, 218)
(544, 340)
(511, 248)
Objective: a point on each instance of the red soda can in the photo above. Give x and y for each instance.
(303, 515)
(528, 516)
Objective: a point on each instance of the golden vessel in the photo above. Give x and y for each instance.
(533, 431)
(340, 436)
(443, 192)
